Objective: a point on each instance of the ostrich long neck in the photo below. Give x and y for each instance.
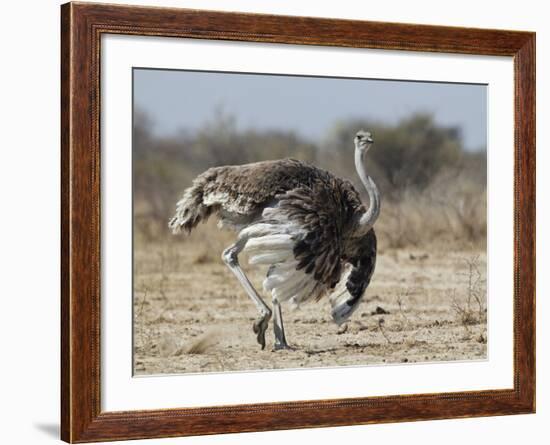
(371, 215)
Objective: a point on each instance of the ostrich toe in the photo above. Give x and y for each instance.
(259, 327)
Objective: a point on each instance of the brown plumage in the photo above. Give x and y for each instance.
(246, 189)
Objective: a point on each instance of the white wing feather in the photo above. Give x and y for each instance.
(271, 242)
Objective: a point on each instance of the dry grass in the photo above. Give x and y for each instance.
(431, 218)
(415, 220)
(472, 310)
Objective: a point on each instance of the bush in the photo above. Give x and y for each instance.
(407, 155)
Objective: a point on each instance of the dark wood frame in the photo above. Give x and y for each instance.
(81, 28)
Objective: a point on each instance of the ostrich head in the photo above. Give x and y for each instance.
(363, 141)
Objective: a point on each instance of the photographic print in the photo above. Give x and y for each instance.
(286, 222)
(255, 205)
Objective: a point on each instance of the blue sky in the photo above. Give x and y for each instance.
(310, 106)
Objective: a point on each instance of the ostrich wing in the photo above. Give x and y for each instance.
(345, 299)
(325, 213)
(307, 236)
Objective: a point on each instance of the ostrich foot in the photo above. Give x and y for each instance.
(280, 346)
(259, 327)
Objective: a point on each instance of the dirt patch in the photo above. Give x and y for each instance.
(191, 315)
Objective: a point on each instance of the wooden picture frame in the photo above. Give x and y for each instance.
(82, 26)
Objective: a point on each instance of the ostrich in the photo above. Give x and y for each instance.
(308, 226)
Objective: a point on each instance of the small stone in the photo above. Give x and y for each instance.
(379, 311)
(342, 329)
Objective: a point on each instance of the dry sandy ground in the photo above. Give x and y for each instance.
(191, 315)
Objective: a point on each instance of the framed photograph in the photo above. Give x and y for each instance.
(274, 222)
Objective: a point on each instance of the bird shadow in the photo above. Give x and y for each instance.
(49, 429)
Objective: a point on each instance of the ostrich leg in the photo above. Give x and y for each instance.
(231, 257)
(278, 328)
